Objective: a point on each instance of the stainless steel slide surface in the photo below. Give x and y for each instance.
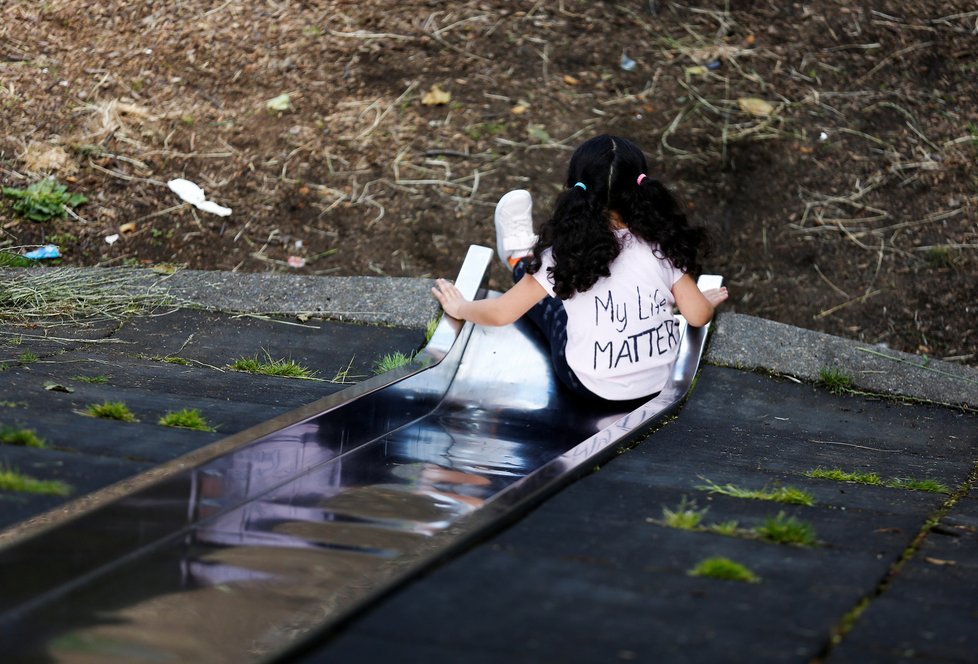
(307, 518)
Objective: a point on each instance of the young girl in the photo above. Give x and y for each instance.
(601, 279)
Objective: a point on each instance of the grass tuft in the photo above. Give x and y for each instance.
(270, 367)
(835, 380)
(8, 259)
(839, 475)
(20, 437)
(94, 380)
(391, 361)
(685, 516)
(14, 480)
(186, 418)
(783, 529)
(786, 494)
(873, 479)
(724, 568)
(27, 357)
(111, 410)
(911, 484)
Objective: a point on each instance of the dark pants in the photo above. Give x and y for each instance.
(549, 316)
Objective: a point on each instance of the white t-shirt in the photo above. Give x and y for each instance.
(621, 333)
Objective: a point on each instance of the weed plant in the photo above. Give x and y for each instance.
(186, 418)
(391, 361)
(684, 517)
(111, 410)
(783, 529)
(270, 367)
(786, 494)
(8, 259)
(873, 479)
(13, 480)
(911, 484)
(20, 437)
(724, 568)
(94, 380)
(43, 200)
(835, 380)
(838, 475)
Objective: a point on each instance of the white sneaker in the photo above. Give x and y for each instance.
(514, 226)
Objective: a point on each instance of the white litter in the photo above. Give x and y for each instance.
(111, 239)
(189, 192)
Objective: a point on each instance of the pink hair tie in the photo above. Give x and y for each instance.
(640, 178)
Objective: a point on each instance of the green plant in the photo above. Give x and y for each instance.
(835, 380)
(342, 376)
(14, 480)
(391, 361)
(785, 494)
(270, 367)
(111, 410)
(94, 380)
(839, 475)
(20, 437)
(27, 357)
(783, 529)
(186, 418)
(8, 259)
(724, 568)
(43, 200)
(63, 239)
(728, 528)
(911, 484)
(429, 330)
(939, 257)
(173, 359)
(685, 516)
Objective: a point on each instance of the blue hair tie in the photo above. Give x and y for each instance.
(581, 185)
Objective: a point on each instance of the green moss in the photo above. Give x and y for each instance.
(94, 380)
(783, 529)
(270, 367)
(839, 475)
(186, 418)
(835, 380)
(111, 410)
(20, 437)
(911, 484)
(786, 494)
(684, 517)
(724, 568)
(14, 480)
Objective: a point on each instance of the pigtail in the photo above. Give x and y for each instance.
(656, 215)
(580, 239)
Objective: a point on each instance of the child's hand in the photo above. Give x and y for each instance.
(449, 297)
(715, 295)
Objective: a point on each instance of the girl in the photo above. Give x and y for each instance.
(601, 279)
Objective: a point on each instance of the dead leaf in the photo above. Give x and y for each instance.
(128, 227)
(570, 80)
(55, 387)
(698, 70)
(519, 109)
(436, 96)
(283, 102)
(940, 561)
(45, 158)
(755, 106)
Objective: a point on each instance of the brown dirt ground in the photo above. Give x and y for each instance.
(845, 204)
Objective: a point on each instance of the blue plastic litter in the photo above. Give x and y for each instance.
(713, 64)
(627, 63)
(47, 251)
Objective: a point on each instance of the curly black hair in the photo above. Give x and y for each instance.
(579, 231)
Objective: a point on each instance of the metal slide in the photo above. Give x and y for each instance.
(307, 518)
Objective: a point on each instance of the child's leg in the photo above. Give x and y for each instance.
(549, 317)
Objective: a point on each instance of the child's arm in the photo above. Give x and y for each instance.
(500, 310)
(695, 305)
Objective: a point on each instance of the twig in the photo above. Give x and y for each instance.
(861, 298)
